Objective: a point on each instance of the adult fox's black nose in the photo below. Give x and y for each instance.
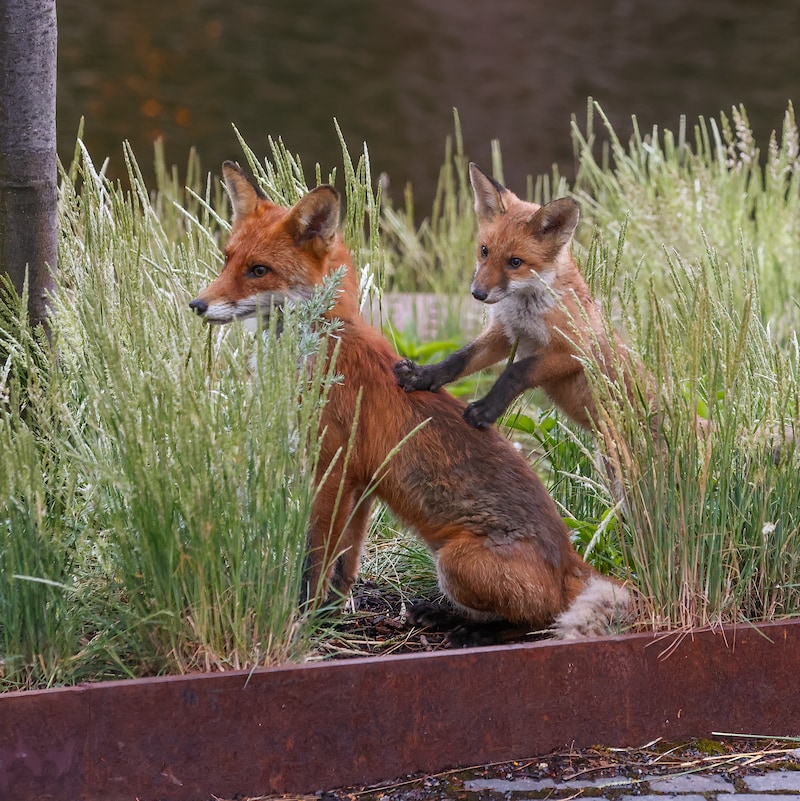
(198, 306)
(479, 294)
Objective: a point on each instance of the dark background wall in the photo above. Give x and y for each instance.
(391, 72)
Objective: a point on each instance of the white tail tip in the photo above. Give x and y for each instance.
(601, 609)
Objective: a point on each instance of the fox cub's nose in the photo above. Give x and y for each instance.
(479, 294)
(198, 306)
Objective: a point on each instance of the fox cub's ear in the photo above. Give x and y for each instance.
(244, 195)
(315, 217)
(555, 222)
(489, 195)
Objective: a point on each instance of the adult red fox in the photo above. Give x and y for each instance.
(502, 551)
(539, 301)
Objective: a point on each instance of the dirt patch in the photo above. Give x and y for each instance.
(377, 622)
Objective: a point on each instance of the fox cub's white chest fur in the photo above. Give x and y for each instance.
(522, 313)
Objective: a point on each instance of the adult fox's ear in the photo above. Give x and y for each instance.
(243, 193)
(314, 219)
(555, 222)
(488, 194)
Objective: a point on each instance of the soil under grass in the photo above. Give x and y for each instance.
(375, 622)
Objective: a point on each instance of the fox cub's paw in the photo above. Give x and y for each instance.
(480, 414)
(411, 376)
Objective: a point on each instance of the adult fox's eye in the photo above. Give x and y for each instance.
(484, 251)
(259, 270)
(515, 262)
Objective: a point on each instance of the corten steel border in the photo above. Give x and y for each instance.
(304, 728)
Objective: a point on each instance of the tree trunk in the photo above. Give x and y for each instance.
(28, 168)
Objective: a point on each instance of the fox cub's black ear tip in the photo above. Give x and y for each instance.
(480, 179)
(239, 184)
(244, 194)
(556, 220)
(325, 199)
(568, 206)
(490, 195)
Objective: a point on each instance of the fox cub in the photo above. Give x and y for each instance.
(502, 551)
(539, 302)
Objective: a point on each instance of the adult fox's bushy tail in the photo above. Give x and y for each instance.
(602, 607)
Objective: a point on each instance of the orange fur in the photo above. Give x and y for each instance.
(502, 550)
(540, 302)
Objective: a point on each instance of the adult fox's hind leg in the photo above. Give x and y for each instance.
(488, 581)
(497, 592)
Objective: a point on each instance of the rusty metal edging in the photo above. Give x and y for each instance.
(309, 727)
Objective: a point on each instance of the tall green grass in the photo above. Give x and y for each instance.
(154, 493)
(37, 491)
(157, 475)
(710, 517)
(708, 185)
(693, 259)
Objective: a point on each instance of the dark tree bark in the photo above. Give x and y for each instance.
(28, 170)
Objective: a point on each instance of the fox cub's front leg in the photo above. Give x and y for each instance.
(489, 347)
(411, 376)
(513, 381)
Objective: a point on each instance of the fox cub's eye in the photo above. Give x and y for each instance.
(484, 251)
(259, 270)
(515, 262)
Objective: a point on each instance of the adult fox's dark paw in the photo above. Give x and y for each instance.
(498, 632)
(430, 615)
(462, 633)
(474, 635)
